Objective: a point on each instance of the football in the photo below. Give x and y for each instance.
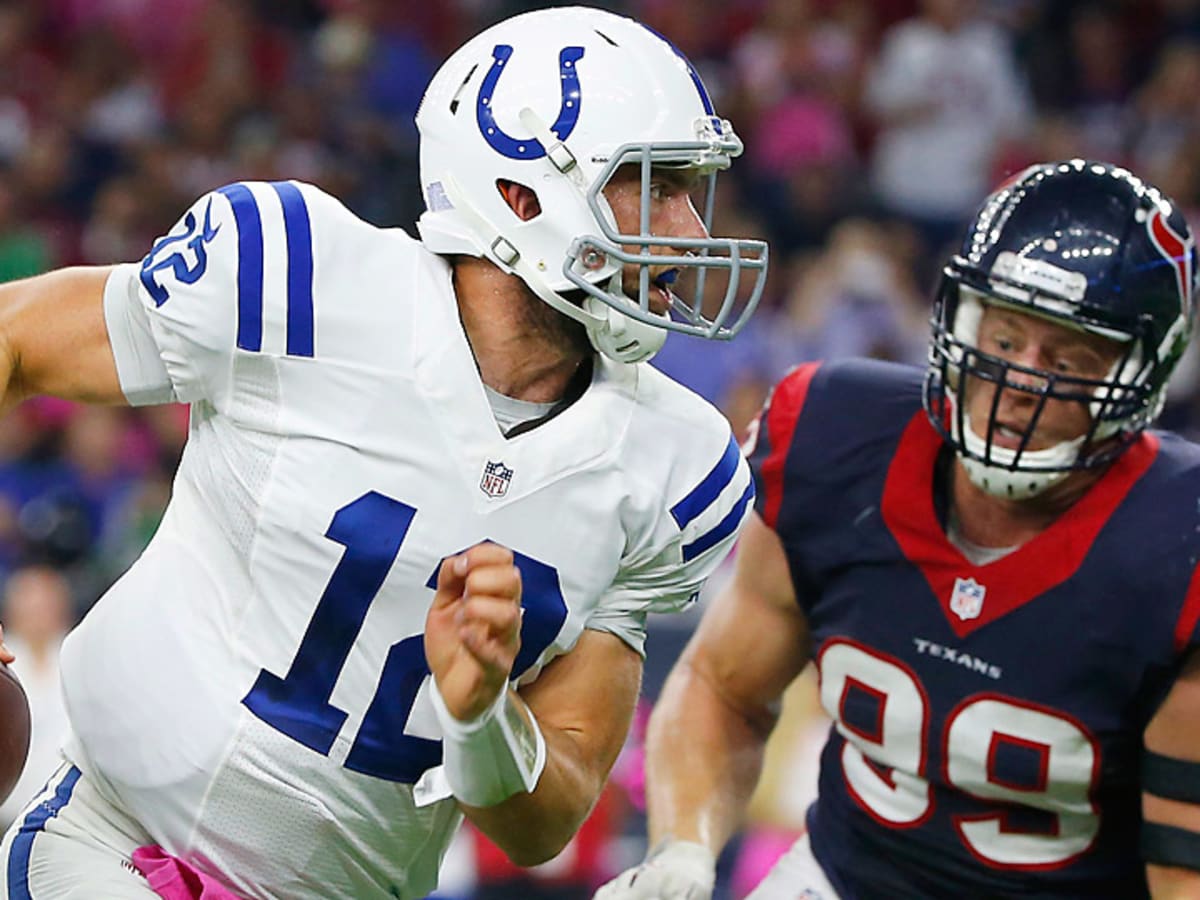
(14, 730)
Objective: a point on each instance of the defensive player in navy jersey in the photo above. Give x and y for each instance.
(429, 494)
(995, 567)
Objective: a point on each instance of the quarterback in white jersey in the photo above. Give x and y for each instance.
(392, 444)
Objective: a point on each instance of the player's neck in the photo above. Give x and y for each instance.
(523, 348)
(990, 521)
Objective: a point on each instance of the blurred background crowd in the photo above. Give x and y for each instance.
(873, 128)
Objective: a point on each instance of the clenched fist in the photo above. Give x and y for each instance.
(473, 629)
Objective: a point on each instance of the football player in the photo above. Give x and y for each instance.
(429, 494)
(993, 566)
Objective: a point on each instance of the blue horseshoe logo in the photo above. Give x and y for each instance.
(568, 111)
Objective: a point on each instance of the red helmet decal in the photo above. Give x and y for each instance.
(1176, 248)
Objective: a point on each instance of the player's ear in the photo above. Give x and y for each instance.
(521, 199)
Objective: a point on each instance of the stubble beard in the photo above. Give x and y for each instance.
(558, 330)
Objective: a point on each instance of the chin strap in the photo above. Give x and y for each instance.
(622, 337)
(997, 479)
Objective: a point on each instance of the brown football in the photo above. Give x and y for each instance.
(14, 730)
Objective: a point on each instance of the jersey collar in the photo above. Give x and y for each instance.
(1008, 583)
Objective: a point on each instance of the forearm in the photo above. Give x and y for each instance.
(1172, 883)
(704, 758)
(53, 338)
(12, 298)
(1170, 773)
(534, 827)
(584, 718)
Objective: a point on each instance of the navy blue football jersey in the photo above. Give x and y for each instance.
(988, 718)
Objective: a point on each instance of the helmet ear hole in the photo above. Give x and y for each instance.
(522, 200)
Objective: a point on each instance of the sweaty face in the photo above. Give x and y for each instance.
(672, 214)
(1035, 343)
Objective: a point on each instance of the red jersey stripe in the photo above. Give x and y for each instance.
(787, 400)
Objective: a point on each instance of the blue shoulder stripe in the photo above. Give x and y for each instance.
(298, 230)
(722, 529)
(22, 845)
(703, 494)
(300, 269)
(250, 265)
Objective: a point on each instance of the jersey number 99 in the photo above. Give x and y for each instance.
(885, 764)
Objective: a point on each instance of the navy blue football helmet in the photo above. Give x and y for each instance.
(1083, 244)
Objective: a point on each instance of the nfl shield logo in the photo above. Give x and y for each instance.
(496, 478)
(967, 599)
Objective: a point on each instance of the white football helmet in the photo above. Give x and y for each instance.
(556, 100)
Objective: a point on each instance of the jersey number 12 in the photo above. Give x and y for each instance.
(372, 529)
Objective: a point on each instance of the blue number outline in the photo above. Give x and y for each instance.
(175, 261)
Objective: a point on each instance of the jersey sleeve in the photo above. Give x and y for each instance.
(234, 273)
(772, 436)
(142, 373)
(688, 543)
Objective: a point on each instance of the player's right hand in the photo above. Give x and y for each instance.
(675, 870)
(6, 656)
(473, 629)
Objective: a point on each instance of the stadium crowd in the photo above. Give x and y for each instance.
(872, 129)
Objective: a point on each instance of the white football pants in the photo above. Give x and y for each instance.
(796, 876)
(69, 843)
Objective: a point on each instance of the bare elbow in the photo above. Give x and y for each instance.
(534, 849)
(539, 838)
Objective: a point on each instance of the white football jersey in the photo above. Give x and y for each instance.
(254, 689)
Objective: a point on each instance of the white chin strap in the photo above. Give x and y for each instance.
(610, 331)
(996, 479)
(622, 337)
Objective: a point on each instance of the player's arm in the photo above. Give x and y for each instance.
(53, 338)
(1171, 791)
(723, 696)
(710, 725)
(583, 703)
(527, 768)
